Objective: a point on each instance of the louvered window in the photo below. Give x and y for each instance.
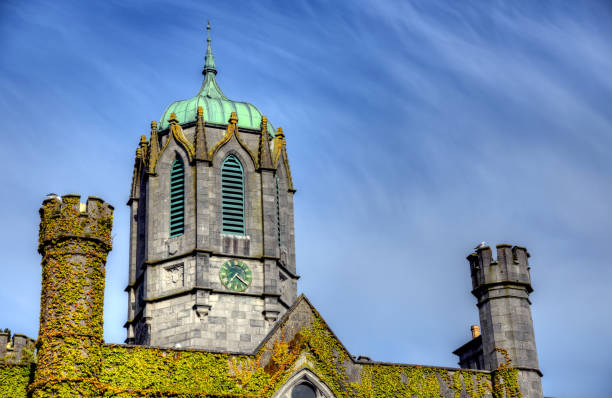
(278, 229)
(177, 198)
(232, 197)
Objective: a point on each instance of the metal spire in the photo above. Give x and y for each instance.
(209, 60)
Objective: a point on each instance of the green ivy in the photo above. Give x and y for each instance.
(73, 361)
(328, 357)
(129, 372)
(14, 380)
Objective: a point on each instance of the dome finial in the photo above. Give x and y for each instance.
(209, 60)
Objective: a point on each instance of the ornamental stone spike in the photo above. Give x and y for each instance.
(265, 157)
(233, 119)
(201, 148)
(279, 141)
(143, 146)
(138, 166)
(153, 148)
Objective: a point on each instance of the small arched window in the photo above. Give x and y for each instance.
(303, 390)
(177, 198)
(232, 196)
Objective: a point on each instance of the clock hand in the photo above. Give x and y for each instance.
(235, 275)
(242, 280)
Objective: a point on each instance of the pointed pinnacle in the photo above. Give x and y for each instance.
(209, 59)
(279, 133)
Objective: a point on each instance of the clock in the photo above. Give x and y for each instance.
(235, 275)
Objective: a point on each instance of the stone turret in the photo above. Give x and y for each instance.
(74, 241)
(18, 349)
(502, 287)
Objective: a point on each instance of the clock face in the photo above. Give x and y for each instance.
(235, 275)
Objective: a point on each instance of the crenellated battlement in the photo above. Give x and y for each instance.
(511, 266)
(17, 348)
(69, 218)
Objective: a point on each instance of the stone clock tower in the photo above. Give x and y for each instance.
(212, 251)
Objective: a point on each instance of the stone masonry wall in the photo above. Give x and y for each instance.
(175, 294)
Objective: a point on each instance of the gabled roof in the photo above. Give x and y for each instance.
(303, 314)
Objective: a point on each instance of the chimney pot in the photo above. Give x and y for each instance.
(475, 331)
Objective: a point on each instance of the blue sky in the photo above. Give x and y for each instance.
(415, 130)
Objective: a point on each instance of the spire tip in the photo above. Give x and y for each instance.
(209, 60)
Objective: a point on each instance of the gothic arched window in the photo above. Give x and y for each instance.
(177, 198)
(304, 384)
(303, 390)
(232, 196)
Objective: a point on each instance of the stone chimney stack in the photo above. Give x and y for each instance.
(475, 331)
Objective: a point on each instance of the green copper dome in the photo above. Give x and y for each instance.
(217, 107)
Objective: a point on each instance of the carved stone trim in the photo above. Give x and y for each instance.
(176, 133)
(173, 277)
(232, 131)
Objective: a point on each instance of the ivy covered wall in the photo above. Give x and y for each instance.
(73, 361)
(302, 339)
(14, 380)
